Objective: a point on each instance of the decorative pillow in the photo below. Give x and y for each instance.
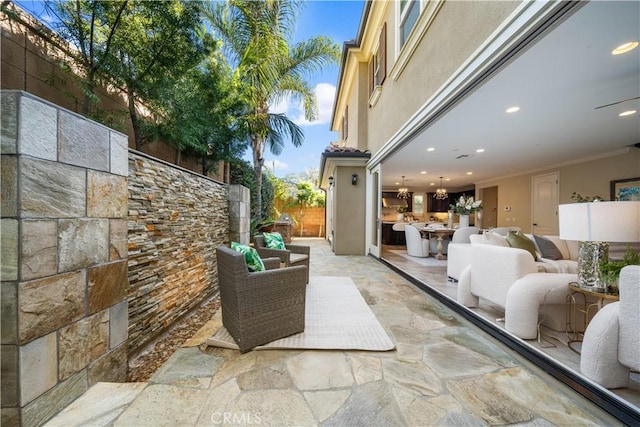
(548, 249)
(274, 240)
(495, 239)
(519, 240)
(254, 263)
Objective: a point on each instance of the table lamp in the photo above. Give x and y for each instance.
(594, 225)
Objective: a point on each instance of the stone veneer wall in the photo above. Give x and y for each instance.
(176, 220)
(64, 257)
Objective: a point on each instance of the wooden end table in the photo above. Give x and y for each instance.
(586, 308)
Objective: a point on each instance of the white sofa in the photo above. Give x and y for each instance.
(459, 255)
(511, 279)
(611, 346)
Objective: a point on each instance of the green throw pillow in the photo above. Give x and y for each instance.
(274, 241)
(254, 263)
(519, 240)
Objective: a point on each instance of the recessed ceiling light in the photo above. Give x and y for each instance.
(397, 183)
(430, 149)
(469, 173)
(423, 172)
(433, 183)
(447, 179)
(480, 150)
(627, 113)
(624, 48)
(513, 109)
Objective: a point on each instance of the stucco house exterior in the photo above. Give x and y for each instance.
(413, 64)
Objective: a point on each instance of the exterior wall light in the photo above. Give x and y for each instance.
(354, 179)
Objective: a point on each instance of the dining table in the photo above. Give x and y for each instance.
(440, 233)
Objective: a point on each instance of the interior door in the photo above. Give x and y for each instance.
(374, 219)
(545, 204)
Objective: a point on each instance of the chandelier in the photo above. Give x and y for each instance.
(403, 192)
(441, 193)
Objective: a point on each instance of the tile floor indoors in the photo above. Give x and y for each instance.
(444, 371)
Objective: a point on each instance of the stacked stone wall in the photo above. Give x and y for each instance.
(175, 221)
(64, 257)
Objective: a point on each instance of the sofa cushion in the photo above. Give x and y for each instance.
(274, 240)
(520, 241)
(547, 248)
(489, 239)
(254, 263)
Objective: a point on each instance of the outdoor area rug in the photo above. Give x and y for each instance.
(337, 318)
(429, 261)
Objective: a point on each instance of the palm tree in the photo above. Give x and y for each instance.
(255, 37)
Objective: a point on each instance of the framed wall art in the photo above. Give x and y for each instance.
(625, 189)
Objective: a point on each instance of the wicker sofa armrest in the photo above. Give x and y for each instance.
(271, 263)
(284, 255)
(299, 249)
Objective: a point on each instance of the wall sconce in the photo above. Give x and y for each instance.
(331, 181)
(354, 179)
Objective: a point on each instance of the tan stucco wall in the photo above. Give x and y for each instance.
(349, 217)
(589, 178)
(442, 51)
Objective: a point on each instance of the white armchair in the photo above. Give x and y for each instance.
(416, 245)
(611, 346)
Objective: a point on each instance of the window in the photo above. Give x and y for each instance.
(378, 64)
(378, 67)
(409, 14)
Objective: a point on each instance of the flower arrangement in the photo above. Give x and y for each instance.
(465, 205)
(402, 209)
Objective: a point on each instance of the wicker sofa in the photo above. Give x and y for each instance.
(260, 307)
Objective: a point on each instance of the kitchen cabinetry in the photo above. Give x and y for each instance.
(392, 237)
(436, 205)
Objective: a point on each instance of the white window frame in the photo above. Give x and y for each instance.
(428, 11)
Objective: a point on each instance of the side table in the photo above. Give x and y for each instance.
(579, 304)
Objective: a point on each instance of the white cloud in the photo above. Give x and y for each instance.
(325, 93)
(275, 165)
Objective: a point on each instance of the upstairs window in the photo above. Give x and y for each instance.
(378, 62)
(409, 14)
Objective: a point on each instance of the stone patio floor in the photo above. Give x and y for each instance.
(444, 371)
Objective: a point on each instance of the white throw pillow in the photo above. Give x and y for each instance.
(495, 239)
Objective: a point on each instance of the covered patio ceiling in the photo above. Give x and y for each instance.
(570, 90)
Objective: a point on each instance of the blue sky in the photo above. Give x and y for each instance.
(339, 20)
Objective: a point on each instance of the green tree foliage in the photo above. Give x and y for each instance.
(255, 36)
(90, 26)
(242, 173)
(198, 114)
(178, 86)
(157, 42)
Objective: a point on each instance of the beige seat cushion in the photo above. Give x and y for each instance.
(296, 258)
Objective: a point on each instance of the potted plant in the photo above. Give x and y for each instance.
(610, 270)
(465, 206)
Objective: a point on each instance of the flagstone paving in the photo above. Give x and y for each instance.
(444, 371)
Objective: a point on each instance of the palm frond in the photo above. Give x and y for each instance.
(282, 127)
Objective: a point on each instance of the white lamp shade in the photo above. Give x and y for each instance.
(600, 221)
